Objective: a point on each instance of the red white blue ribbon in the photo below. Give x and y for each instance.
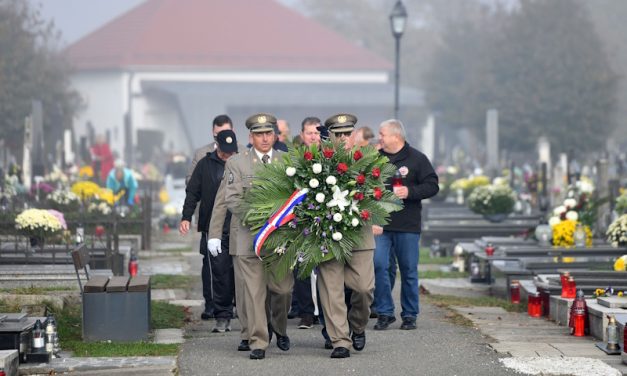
(278, 219)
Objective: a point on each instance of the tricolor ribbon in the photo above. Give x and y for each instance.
(278, 219)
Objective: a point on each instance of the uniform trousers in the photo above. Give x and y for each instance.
(357, 275)
(254, 283)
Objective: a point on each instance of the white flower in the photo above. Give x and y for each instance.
(314, 183)
(559, 210)
(339, 199)
(354, 207)
(572, 215)
(337, 217)
(279, 250)
(290, 171)
(553, 221)
(337, 236)
(570, 203)
(320, 197)
(355, 222)
(331, 180)
(316, 168)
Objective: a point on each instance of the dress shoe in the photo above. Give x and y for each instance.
(283, 342)
(257, 354)
(359, 341)
(373, 313)
(341, 352)
(243, 346)
(409, 323)
(383, 322)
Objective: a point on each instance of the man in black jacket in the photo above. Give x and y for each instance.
(415, 181)
(203, 186)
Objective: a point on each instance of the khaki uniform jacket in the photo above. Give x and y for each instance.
(238, 177)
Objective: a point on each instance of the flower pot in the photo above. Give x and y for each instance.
(495, 218)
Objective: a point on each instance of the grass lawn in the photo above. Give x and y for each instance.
(163, 315)
(32, 290)
(425, 258)
(171, 281)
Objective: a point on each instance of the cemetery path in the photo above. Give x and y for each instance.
(437, 347)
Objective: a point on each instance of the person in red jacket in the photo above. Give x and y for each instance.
(101, 158)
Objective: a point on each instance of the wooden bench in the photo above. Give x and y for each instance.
(116, 309)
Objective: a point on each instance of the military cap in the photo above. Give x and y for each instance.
(259, 123)
(227, 142)
(341, 123)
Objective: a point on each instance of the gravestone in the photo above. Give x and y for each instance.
(428, 138)
(492, 141)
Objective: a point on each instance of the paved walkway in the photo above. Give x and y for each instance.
(437, 347)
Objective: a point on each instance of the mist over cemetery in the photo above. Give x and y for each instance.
(519, 105)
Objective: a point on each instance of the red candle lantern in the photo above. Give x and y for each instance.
(397, 180)
(578, 322)
(571, 288)
(514, 292)
(534, 305)
(564, 280)
(489, 249)
(132, 266)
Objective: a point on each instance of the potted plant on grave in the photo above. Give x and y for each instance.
(617, 232)
(494, 202)
(38, 224)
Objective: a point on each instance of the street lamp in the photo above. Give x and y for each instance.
(398, 18)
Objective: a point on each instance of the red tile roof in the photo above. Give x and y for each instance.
(219, 34)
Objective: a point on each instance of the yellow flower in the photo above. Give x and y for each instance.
(85, 189)
(619, 264)
(86, 172)
(620, 293)
(164, 198)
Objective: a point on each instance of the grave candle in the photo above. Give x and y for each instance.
(514, 290)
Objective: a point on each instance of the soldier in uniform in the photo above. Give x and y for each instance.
(357, 275)
(252, 281)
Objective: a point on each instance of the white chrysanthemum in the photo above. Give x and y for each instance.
(572, 215)
(570, 203)
(553, 221)
(355, 222)
(559, 210)
(314, 183)
(337, 236)
(331, 180)
(337, 217)
(316, 168)
(290, 171)
(320, 197)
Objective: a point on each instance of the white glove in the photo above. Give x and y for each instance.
(214, 246)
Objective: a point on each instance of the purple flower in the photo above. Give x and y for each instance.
(292, 224)
(306, 232)
(331, 228)
(324, 234)
(310, 206)
(329, 216)
(317, 219)
(324, 250)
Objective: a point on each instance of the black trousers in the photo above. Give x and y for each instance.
(302, 299)
(218, 281)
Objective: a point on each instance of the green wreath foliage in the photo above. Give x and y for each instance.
(311, 237)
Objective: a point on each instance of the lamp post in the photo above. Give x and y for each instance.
(398, 18)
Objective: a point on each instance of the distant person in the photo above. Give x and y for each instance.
(121, 179)
(363, 137)
(284, 130)
(101, 158)
(220, 123)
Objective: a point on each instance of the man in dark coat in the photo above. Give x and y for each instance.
(217, 271)
(415, 180)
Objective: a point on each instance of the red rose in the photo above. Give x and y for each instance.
(342, 168)
(358, 196)
(376, 172)
(361, 179)
(308, 155)
(357, 156)
(365, 215)
(377, 193)
(328, 153)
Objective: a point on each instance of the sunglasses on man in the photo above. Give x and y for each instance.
(340, 134)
